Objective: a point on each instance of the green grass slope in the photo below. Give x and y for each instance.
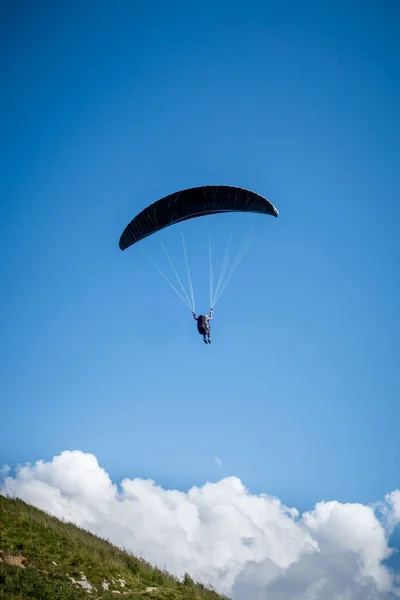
(44, 558)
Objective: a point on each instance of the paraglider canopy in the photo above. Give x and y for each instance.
(191, 203)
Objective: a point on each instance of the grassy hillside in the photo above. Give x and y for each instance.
(44, 558)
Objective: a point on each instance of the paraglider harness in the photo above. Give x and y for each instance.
(203, 325)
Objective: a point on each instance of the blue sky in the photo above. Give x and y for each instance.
(107, 109)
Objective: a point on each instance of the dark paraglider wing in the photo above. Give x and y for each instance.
(191, 203)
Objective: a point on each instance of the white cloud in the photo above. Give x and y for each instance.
(393, 502)
(245, 545)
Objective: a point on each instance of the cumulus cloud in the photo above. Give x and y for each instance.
(393, 512)
(245, 545)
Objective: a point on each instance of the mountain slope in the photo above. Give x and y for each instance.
(44, 558)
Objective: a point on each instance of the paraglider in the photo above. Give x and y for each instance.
(203, 325)
(190, 204)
